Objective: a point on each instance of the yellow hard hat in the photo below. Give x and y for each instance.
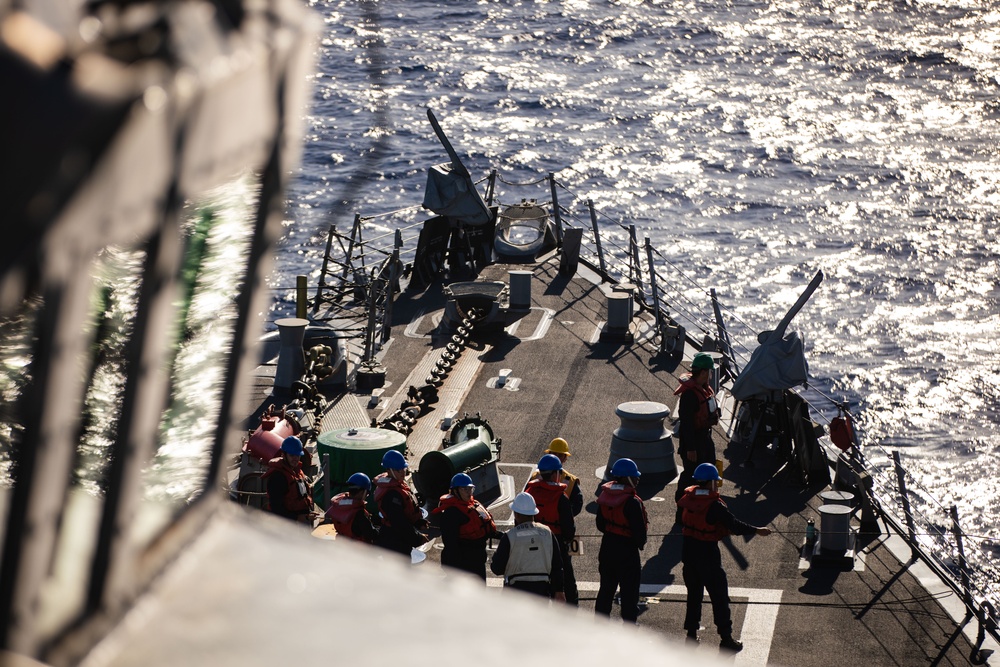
(558, 446)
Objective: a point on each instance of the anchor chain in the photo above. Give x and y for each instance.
(418, 399)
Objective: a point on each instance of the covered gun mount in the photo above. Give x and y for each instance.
(770, 410)
(779, 362)
(450, 191)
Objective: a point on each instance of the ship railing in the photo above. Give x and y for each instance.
(931, 530)
(359, 275)
(682, 307)
(348, 287)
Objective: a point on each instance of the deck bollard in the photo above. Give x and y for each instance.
(291, 359)
(845, 498)
(834, 528)
(643, 438)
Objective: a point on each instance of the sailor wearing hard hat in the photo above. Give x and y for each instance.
(528, 554)
(560, 449)
(347, 511)
(402, 519)
(706, 520)
(288, 492)
(621, 516)
(465, 527)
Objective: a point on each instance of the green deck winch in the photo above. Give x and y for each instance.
(470, 448)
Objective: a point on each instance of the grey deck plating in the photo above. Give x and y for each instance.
(569, 385)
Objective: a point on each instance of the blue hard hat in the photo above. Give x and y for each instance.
(393, 460)
(625, 468)
(706, 472)
(461, 480)
(292, 445)
(359, 480)
(549, 463)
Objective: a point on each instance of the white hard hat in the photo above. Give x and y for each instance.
(524, 504)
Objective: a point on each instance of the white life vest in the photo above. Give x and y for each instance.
(530, 553)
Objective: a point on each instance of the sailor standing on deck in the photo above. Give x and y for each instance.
(698, 412)
(621, 516)
(555, 511)
(707, 520)
(402, 520)
(347, 511)
(465, 527)
(528, 554)
(287, 487)
(560, 449)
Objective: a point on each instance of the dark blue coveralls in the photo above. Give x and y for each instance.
(703, 571)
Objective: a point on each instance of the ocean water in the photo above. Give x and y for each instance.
(754, 143)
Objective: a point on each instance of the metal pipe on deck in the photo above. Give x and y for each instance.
(597, 238)
(321, 286)
(905, 499)
(555, 208)
(962, 566)
(720, 324)
(355, 232)
(520, 289)
(301, 299)
(491, 185)
(291, 359)
(652, 286)
(635, 267)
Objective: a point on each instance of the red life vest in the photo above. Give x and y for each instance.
(480, 523)
(385, 483)
(612, 507)
(569, 479)
(343, 510)
(703, 418)
(297, 498)
(694, 505)
(547, 495)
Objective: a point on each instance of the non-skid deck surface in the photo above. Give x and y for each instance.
(568, 384)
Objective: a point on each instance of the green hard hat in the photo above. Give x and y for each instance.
(703, 360)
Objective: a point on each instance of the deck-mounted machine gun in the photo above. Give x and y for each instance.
(470, 448)
(776, 366)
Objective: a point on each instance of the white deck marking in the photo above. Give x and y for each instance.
(413, 327)
(758, 622)
(540, 329)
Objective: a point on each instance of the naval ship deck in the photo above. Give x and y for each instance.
(568, 384)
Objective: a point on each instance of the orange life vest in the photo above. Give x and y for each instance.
(694, 505)
(569, 479)
(297, 498)
(343, 510)
(612, 507)
(480, 523)
(547, 495)
(385, 483)
(703, 418)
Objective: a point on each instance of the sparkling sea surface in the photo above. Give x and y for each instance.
(754, 143)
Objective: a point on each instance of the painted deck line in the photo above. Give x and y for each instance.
(540, 329)
(759, 621)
